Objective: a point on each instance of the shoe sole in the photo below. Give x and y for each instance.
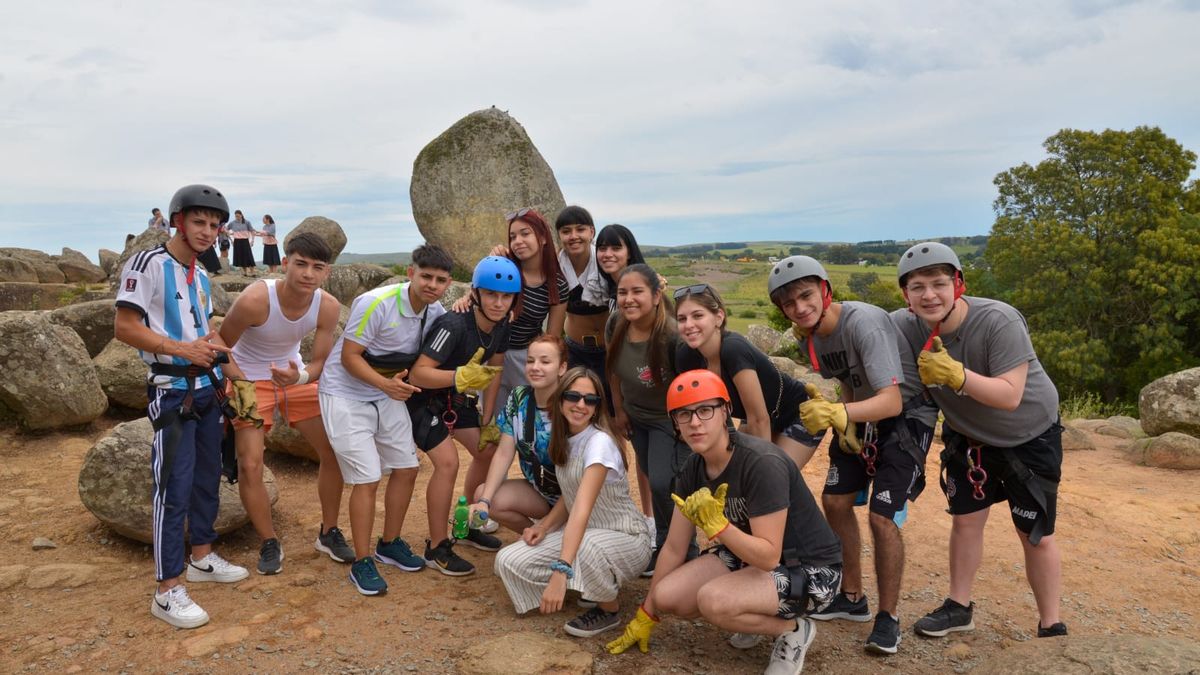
(365, 591)
(450, 573)
(843, 616)
(481, 547)
(396, 563)
(875, 648)
(579, 632)
(207, 578)
(329, 552)
(647, 575)
(178, 623)
(944, 633)
(277, 570)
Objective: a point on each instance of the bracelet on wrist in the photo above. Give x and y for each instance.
(484, 500)
(303, 376)
(564, 567)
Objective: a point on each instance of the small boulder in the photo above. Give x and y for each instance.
(122, 375)
(323, 227)
(525, 653)
(93, 321)
(16, 269)
(116, 485)
(1171, 450)
(1171, 403)
(43, 544)
(77, 268)
(766, 339)
(49, 272)
(46, 376)
(108, 260)
(1074, 438)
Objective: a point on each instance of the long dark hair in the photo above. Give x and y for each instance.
(558, 423)
(549, 258)
(660, 332)
(613, 235)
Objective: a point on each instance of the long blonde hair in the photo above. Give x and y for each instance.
(558, 423)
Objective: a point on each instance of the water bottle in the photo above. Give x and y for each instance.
(462, 514)
(479, 520)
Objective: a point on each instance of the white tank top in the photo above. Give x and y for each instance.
(277, 340)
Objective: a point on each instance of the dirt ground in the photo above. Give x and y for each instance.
(1129, 536)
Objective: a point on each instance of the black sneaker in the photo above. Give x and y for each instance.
(951, 617)
(1057, 630)
(649, 571)
(481, 541)
(332, 543)
(885, 638)
(592, 622)
(270, 557)
(443, 559)
(843, 607)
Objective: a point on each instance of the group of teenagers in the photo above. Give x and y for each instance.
(237, 234)
(555, 359)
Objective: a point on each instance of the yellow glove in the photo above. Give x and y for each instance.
(938, 367)
(817, 414)
(705, 509)
(475, 375)
(848, 440)
(637, 632)
(245, 402)
(489, 433)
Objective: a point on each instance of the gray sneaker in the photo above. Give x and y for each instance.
(270, 557)
(951, 617)
(787, 658)
(592, 622)
(332, 543)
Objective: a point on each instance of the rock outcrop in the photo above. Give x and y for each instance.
(116, 485)
(1172, 403)
(77, 268)
(346, 282)
(766, 339)
(108, 260)
(16, 269)
(1171, 450)
(324, 227)
(122, 375)
(145, 241)
(1126, 654)
(46, 376)
(466, 179)
(93, 321)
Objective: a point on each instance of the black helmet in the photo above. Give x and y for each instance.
(201, 197)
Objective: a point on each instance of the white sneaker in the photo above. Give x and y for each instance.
(177, 609)
(489, 527)
(744, 640)
(787, 658)
(213, 567)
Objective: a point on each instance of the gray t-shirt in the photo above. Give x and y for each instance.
(643, 396)
(992, 340)
(864, 354)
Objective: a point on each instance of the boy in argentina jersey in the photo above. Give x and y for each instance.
(884, 426)
(163, 309)
(1003, 441)
(463, 354)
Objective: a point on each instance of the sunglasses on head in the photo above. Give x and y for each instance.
(513, 215)
(572, 396)
(694, 289)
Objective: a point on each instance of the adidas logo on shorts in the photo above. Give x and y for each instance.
(885, 496)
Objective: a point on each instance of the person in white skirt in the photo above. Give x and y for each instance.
(594, 540)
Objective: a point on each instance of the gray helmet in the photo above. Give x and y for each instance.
(926, 254)
(199, 196)
(792, 268)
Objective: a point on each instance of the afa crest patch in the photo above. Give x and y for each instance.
(130, 285)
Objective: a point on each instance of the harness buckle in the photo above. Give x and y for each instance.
(449, 417)
(870, 451)
(976, 475)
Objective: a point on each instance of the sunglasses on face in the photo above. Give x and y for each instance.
(519, 213)
(694, 289)
(572, 396)
(683, 416)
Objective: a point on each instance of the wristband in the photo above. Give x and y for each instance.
(484, 500)
(303, 376)
(564, 567)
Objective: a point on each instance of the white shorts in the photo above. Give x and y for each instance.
(368, 437)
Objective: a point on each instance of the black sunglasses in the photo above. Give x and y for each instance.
(694, 289)
(572, 396)
(513, 215)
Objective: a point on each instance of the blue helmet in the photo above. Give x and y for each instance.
(497, 274)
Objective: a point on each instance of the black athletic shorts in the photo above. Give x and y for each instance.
(429, 418)
(820, 584)
(1042, 456)
(899, 477)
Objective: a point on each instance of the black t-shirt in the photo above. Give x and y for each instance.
(763, 480)
(535, 305)
(782, 394)
(454, 339)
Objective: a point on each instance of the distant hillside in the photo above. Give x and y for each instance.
(385, 259)
(878, 251)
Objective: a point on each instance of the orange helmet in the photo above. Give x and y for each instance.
(695, 386)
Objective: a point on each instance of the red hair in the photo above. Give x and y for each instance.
(549, 258)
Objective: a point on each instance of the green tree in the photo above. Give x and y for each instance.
(1099, 246)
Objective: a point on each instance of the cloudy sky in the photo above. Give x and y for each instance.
(698, 121)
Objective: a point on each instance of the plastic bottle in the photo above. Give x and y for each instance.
(462, 514)
(479, 519)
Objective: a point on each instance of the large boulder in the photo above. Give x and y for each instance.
(1116, 654)
(145, 241)
(346, 282)
(765, 338)
(467, 178)
(1075, 438)
(525, 653)
(306, 343)
(122, 375)
(77, 268)
(16, 269)
(26, 295)
(48, 272)
(46, 376)
(26, 254)
(222, 299)
(1172, 403)
(324, 227)
(93, 321)
(285, 439)
(116, 484)
(108, 261)
(1172, 450)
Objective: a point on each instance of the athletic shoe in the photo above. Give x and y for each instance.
(787, 658)
(649, 571)
(443, 559)
(744, 640)
(885, 637)
(843, 607)
(213, 567)
(270, 557)
(951, 617)
(1057, 630)
(177, 609)
(489, 526)
(396, 552)
(592, 622)
(365, 577)
(481, 541)
(332, 543)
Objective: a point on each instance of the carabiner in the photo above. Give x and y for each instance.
(870, 451)
(976, 474)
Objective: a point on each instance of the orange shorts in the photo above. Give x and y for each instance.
(295, 403)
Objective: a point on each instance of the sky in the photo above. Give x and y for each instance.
(688, 122)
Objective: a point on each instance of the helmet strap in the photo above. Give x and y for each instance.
(826, 301)
(960, 287)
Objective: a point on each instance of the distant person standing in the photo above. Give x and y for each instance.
(157, 222)
(243, 238)
(270, 244)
